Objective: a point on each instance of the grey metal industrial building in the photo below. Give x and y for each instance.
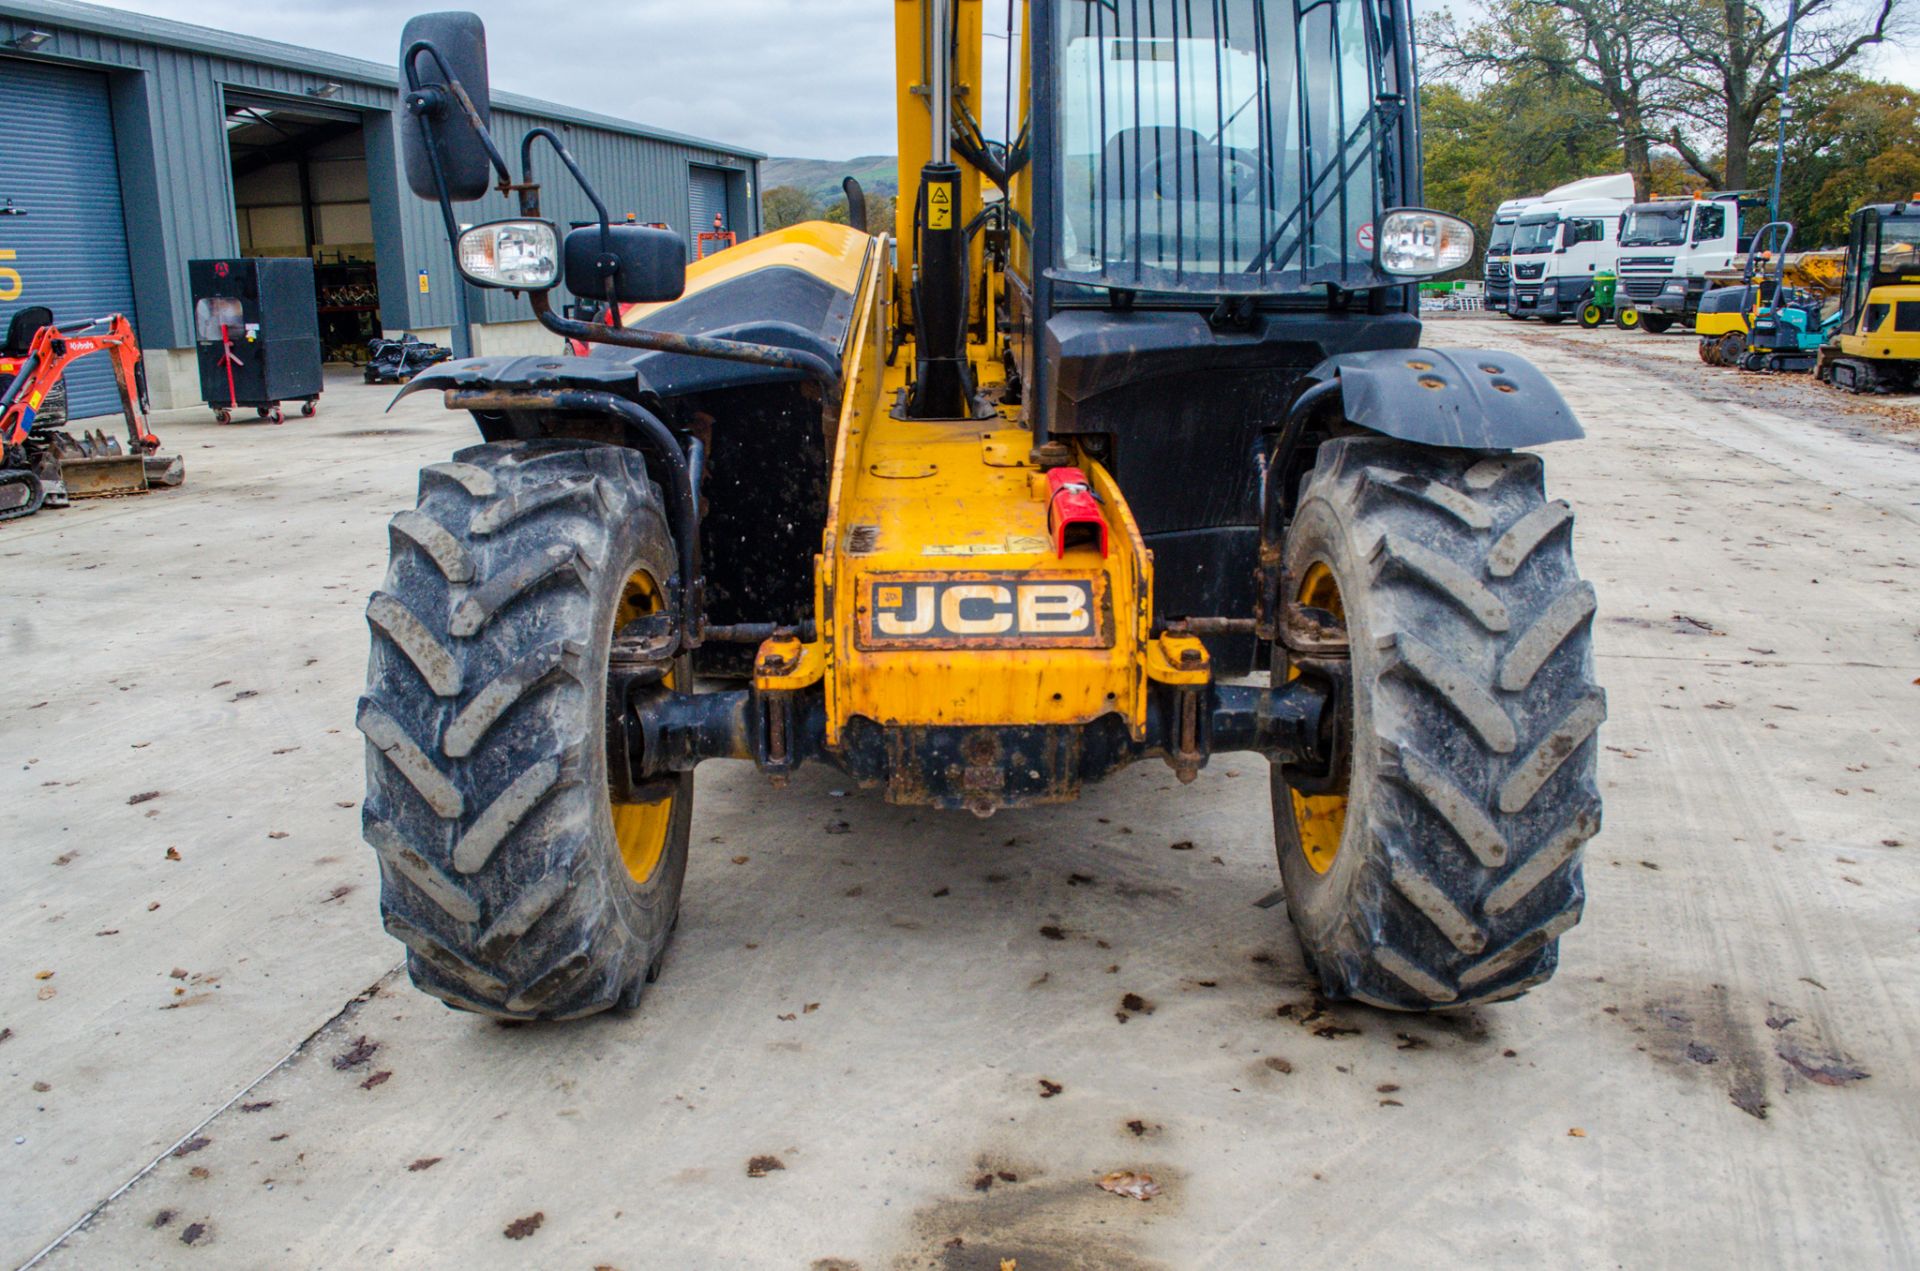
(130, 145)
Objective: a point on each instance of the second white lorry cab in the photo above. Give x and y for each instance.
(1496, 270)
(1667, 248)
(1558, 248)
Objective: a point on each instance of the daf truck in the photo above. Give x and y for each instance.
(1667, 248)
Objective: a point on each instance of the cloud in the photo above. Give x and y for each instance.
(812, 78)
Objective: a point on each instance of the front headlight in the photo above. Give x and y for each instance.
(1415, 242)
(521, 255)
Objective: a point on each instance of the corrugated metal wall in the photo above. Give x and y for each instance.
(633, 174)
(176, 177)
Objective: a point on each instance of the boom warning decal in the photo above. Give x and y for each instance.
(984, 611)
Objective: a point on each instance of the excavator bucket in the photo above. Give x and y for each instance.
(94, 465)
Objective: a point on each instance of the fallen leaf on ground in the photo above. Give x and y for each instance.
(355, 1055)
(761, 1166)
(1278, 1064)
(143, 797)
(178, 973)
(1184, 845)
(192, 1145)
(1138, 1127)
(41, 1087)
(47, 993)
(1131, 1185)
(43, 975)
(261, 1106)
(152, 905)
(1048, 1089)
(983, 1183)
(377, 1079)
(1135, 1003)
(276, 834)
(193, 1234)
(810, 1008)
(65, 858)
(1576, 1133)
(521, 1228)
(1053, 933)
(173, 853)
(200, 1171)
(739, 860)
(342, 890)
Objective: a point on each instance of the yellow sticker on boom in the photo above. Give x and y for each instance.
(940, 205)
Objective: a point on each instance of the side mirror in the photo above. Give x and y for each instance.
(647, 264)
(443, 47)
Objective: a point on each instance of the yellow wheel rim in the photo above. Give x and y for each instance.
(1320, 820)
(640, 829)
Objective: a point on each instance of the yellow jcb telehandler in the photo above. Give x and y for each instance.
(984, 505)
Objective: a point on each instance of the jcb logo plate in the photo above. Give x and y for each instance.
(984, 611)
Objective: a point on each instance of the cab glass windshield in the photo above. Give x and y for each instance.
(1226, 147)
(1501, 238)
(1899, 243)
(1531, 238)
(1657, 226)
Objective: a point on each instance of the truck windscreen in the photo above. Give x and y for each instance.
(1531, 238)
(1654, 226)
(1500, 239)
(1228, 147)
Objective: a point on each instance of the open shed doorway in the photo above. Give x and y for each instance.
(300, 189)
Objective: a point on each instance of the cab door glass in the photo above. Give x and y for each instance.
(1709, 223)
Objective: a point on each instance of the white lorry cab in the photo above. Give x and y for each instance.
(1558, 248)
(1495, 272)
(1667, 247)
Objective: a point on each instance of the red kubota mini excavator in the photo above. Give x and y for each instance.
(42, 464)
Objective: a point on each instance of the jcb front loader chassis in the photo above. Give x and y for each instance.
(656, 731)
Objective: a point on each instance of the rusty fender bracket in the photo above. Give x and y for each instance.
(656, 731)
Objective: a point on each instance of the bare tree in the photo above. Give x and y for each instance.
(1624, 51)
(1728, 76)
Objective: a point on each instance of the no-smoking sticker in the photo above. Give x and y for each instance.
(1364, 236)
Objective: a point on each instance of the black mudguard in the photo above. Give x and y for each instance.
(1472, 399)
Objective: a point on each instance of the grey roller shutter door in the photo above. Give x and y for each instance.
(58, 165)
(708, 194)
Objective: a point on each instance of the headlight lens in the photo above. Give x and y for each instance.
(522, 255)
(1415, 242)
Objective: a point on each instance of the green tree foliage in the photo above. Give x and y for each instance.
(783, 205)
(1514, 136)
(1857, 141)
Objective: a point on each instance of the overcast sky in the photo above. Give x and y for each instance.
(812, 78)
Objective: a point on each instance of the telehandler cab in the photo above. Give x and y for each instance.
(985, 505)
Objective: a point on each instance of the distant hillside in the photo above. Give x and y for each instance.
(821, 178)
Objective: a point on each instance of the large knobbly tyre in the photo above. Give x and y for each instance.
(519, 889)
(1449, 868)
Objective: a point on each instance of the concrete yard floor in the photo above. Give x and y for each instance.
(214, 1060)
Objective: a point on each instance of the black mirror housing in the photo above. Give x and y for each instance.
(461, 41)
(650, 264)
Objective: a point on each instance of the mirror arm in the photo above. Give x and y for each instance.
(811, 365)
(608, 264)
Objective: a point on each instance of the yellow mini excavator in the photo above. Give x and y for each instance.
(984, 505)
(1877, 347)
